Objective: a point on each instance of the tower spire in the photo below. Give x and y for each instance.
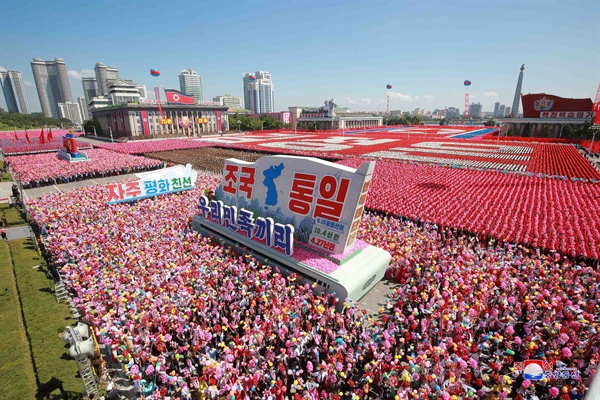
(515, 107)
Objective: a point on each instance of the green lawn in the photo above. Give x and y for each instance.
(45, 321)
(13, 216)
(5, 175)
(17, 379)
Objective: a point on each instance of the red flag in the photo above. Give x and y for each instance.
(27, 136)
(176, 97)
(42, 140)
(50, 135)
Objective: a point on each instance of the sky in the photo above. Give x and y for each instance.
(347, 51)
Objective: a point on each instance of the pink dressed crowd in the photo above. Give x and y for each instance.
(151, 146)
(189, 318)
(47, 169)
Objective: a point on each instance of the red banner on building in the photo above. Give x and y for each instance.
(219, 121)
(122, 123)
(144, 122)
(536, 103)
(115, 123)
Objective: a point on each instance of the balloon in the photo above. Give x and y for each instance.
(388, 86)
(154, 72)
(467, 83)
(252, 77)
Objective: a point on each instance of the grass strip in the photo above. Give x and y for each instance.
(13, 215)
(45, 321)
(17, 377)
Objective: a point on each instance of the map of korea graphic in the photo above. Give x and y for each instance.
(272, 173)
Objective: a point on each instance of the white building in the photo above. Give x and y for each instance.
(191, 83)
(259, 92)
(142, 90)
(52, 84)
(97, 103)
(85, 115)
(123, 92)
(475, 110)
(229, 101)
(14, 91)
(104, 74)
(70, 110)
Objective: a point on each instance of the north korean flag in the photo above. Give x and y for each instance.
(176, 97)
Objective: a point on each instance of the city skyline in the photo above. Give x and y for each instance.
(424, 50)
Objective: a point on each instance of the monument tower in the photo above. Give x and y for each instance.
(515, 107)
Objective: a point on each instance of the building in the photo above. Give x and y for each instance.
(105, 74)
(546, 115)
(453, 113)
(52, 83)
(90, 88)
(496, 109)
(85, 115)
(122, 92)
(139, 120)
(14, 91)
(71, 111)
(259, 92)
(501, 111)
(97, 103)
(507, 111)
(475, 110)
(284, 116)
(329, 117)
(230, 101)
(191, 83)
(142, 91)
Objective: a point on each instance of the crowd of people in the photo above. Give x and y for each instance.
(186, 316)
(47, 169)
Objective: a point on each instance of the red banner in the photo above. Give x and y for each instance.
(536, 103)
(219, 121)
(115, 123)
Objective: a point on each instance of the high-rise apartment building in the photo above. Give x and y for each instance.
(52, 83)
(191, 83)
(90, 88)
(228, 100)
(496, 109)
(259, 92)
(453, 112)
(507, 111)
(14, 91)
(85, 115)
(475, 110)
(105, 74)
(70, 110)
(501, 111)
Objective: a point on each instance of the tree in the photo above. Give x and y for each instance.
(489, 122)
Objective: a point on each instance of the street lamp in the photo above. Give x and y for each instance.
(239, 126)
(262, 127)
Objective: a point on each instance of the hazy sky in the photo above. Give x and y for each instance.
(318, 50)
